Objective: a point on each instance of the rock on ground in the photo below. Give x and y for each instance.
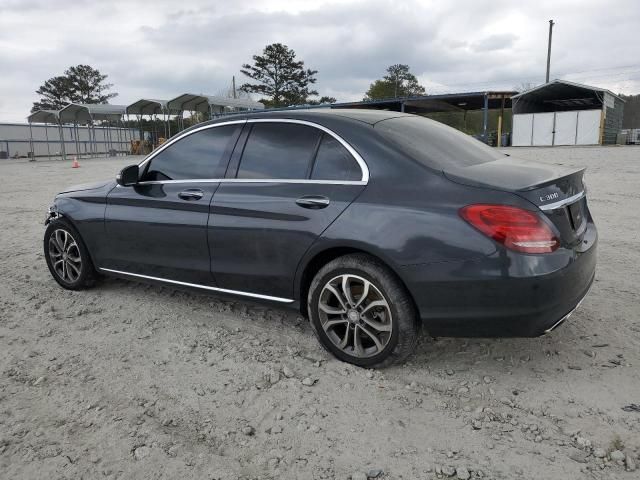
(128, 380)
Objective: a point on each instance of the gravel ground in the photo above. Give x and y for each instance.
(135, 381)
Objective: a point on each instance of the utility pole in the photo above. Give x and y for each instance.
(551, 24)
(233, 81)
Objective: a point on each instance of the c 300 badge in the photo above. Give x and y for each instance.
(549, 197)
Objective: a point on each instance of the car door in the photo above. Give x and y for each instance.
(158, 228)
(289, 181)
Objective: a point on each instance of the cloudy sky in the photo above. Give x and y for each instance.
(162, 48)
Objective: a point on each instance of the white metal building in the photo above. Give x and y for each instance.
(566, 113)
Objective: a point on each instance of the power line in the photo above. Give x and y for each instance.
(537, 78)
(522, 79)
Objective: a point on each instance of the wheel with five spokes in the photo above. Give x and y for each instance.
(67, 256)
(362, 313)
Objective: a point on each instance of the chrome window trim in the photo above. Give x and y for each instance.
(253, 180)
(562, 203)
(205, 287)
(356, 156)
(364, 169)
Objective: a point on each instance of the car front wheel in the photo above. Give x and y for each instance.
(67, 256)
(361, 312)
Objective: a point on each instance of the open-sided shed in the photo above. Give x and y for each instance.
(87, 114)
(566, 113)
(148, 106)
(46, 117)
(450, 102)
(210, 105)
(153, 108)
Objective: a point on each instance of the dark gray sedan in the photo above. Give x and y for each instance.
(373, 224)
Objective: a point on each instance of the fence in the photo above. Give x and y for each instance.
(15, 142)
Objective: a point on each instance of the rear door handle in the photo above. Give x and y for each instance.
(313, 202)
(191, 194)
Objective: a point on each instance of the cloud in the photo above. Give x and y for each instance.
(163, 48)
(495, 42)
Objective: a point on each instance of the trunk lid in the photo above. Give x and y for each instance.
(558, 191)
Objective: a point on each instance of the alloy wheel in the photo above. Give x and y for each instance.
(355, 315)
(64, 254)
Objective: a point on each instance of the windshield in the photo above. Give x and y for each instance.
(435, 144)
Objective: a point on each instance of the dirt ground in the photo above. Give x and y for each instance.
(135, 381)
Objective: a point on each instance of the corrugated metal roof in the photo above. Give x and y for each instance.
(203, 103)
(558, 81)
(43, 116)
(85, 113)
(437, 103)
(147, 106)
(105, 110)
(74, 113)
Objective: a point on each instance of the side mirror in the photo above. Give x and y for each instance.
(128, 176)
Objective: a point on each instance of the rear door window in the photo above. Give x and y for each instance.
(201, 155)
(334, 162)
(279, 151)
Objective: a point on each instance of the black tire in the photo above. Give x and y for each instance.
(53, 236)
(399, 312)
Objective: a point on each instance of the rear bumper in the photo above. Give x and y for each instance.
(505, 294)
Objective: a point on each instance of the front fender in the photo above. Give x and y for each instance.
(85, 210)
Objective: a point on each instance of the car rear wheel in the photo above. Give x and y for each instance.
(67, 256)
(361, 313)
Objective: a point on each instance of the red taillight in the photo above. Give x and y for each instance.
(516, 228)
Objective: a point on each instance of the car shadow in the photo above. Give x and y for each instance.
(562, 348)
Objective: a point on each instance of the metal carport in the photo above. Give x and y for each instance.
(151, 107)
(87, 114)
(209, 104)
(46, 117)
(450, 102)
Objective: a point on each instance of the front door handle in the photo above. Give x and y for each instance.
(313, 202)
(191, 194)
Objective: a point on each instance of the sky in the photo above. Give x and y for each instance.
(163, 48)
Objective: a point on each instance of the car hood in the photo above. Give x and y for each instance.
(87, 186)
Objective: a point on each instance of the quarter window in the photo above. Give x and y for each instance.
(200, 155)
(278, 150)
(334, 162)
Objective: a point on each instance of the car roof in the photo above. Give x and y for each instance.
(366, 116)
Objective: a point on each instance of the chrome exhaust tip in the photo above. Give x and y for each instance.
(563, 319)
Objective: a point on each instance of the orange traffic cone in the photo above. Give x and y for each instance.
(75, 163)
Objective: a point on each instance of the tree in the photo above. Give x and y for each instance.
(322, 101)
(282, 80)
(79, 84)
(631, 113)
(524, 86)
(398, 82)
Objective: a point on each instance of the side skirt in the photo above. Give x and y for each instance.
(203, 287)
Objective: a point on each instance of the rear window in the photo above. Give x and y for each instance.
(435, 144)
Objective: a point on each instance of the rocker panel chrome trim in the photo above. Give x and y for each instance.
(205, 287)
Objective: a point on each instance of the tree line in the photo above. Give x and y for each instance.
(276, 75)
